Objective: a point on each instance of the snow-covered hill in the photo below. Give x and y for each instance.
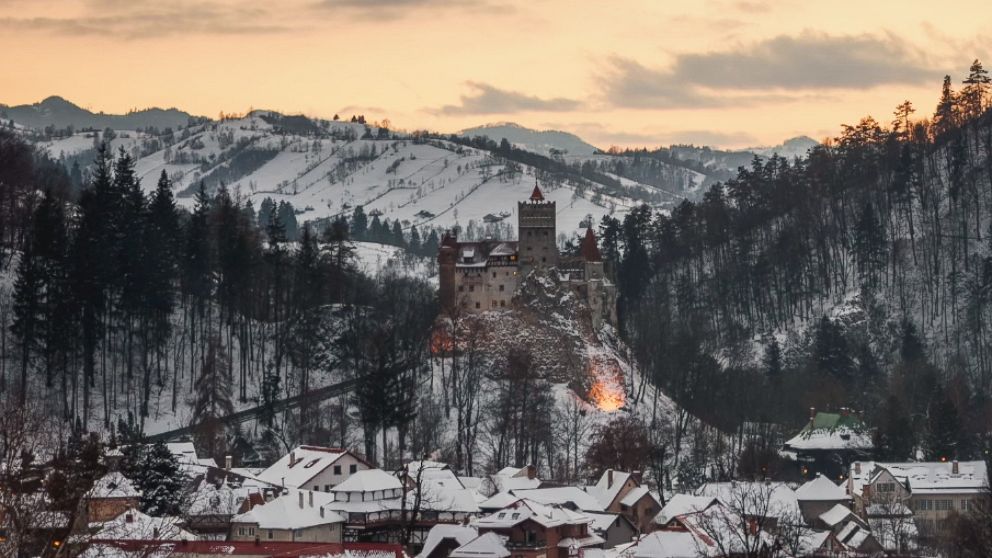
(538, 141)
(330, 168)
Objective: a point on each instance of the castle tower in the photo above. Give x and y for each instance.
(536, 233)
(447, 256)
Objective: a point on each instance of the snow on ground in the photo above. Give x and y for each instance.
(374, 259)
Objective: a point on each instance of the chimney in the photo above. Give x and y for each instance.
(955, 467)
(227, 462)
(531, 472)
(321, 512)
(812, 413)
(857, 467)
(129, 518)
(311, 498)
(155, 534)
(301, 499)
(638, 477)
(292, 458)
(609, 479)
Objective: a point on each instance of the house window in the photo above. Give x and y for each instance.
(327, 488)
(337, 469)
(353, 468)
(270, 533)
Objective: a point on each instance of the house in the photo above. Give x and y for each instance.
(110, 496)
(836, 518)
(295, 516)
(572, 497)
(770, 504)
(715, 531)
(932, 491)
(681, 504)
(534, 530)
(859, 539)
(819, 495)
(829, 443)
(443, 539)
(211, 507)
(612, 487)
(239, 549)
(135, 525)
(314, 468)
(486, 545)
(818, 544)
(640, 507)
(613, 528)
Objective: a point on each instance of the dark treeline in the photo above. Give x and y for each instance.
(125, 307)
(859, 277)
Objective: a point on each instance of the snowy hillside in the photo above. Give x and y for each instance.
(328, 168)
(538, 141)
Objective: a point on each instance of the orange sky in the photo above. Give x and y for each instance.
(721, 72)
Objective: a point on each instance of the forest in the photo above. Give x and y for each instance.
(858, 277)
(122, 307)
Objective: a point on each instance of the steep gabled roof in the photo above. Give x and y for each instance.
(287, 512)
(536, 195)
(488, 545)
(820, 489)
(370, 480)
(299, 466)
(113, 485)
(589, 250)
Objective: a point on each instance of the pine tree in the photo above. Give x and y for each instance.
(213, 400)
(945, 118)
(772, 361)
(359, 224)
(830, 351)
(414, 246)
(975, 93)
(943, 428)
(28, 304)
(894, 438)
(160, 481)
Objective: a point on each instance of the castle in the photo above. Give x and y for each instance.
(485, 275)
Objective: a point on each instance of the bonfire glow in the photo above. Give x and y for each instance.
(607, 397)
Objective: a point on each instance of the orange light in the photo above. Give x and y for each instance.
(56, 544)
(606, 397)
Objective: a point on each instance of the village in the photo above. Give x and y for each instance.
(321, 501)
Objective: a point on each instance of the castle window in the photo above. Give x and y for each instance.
(494, 304)
(494, 275)
(501, 287)
(545, 233)
(471, 288)
(477, 305)
(461, 288)
(502, 303)
(543, 259)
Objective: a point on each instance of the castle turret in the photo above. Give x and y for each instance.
(536, 230)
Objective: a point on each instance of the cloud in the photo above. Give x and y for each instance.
(780, 69)
(396, 9)
(141, 19)
(487, 99)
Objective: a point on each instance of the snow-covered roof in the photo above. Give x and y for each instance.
(606, 491)
(783, 502)
(572, 542)
(887, 509)
(681, 504)
(370, 480)
(836, 515)
(487, 545)
(853, 535)
(210, 499)
(113, 485)
(295, 509)
(820, 489)
(832, 431)
(463, 534)
(509, 472)
(504, 484)
(433, 473)
(634, 495)
(809, 541)
(523, 510)
(563, 495)
(296, 468)
(601, 522)
(135, 525)
(931, 477)
(499, 501)
(668, 544)
(442, 499)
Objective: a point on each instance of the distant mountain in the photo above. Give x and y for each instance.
(794, 147)
(537, 141)
(58, 112)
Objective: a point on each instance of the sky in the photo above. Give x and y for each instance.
(727, 73)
